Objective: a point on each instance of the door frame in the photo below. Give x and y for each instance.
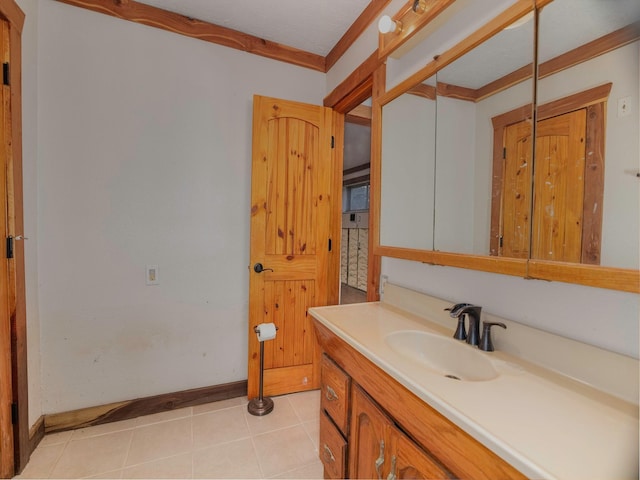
(366, 81)
(10, 11)
(595, 100)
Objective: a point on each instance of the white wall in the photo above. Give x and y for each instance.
(455, 173)
(30, 198)
(621, 222)
(408, 157)
(144, 143)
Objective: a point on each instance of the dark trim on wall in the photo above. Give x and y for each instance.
(357, 168)
(366, 18)
(36, 434)
(356, 180)
(125, 410)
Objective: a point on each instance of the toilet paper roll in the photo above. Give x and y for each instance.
(266, 331)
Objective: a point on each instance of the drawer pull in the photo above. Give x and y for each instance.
(380, 460)
(330, 394)
(328, 454)
(392, 474)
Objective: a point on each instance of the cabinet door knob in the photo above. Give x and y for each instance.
(328, 454)
(330, 394)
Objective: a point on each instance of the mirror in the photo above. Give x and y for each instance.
(464, 192)
(586, 184)
(474, 93)
(408, 160)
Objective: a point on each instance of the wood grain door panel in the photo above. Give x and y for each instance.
(559, 188)
(290, 235)
(516, 195)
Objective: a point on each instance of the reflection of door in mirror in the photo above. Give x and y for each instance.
(559, 188)
(516, 193)
(583, 43)
(567, 191)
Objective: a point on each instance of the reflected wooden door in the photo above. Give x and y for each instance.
(291, 238)
(516, 194)
(559, 188)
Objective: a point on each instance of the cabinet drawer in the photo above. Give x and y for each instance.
(332, 449)
(335, 393)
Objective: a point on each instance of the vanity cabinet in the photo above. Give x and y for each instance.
(380, 450)
(377, 428)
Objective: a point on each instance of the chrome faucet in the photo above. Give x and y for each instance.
(473, 313)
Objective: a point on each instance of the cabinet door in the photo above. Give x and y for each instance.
(380, 450)
(367, 440)
(410, 461)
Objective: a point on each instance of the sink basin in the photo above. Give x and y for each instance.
(442, 355)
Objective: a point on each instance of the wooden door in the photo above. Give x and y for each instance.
(291, 226)
(6, 389)
(368, 450)
(559, 188)
(516, 193)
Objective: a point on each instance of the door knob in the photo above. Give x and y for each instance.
(258, 268)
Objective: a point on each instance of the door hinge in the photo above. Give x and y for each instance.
(330, 245)
(333, 141)
(14, 413)
(10, 246)
(5, 73)
(504, 152)
(501, 241)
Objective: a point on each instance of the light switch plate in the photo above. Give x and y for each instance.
(152, 275)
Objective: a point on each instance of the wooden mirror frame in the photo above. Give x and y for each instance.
(622, 279)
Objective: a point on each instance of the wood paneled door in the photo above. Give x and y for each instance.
(516, 195)
(559, 188)
(291, 237)
(560, 203)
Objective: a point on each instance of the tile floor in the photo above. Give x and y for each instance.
(215, 440)
(351, 295)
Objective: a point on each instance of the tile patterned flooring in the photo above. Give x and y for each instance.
(215, 440)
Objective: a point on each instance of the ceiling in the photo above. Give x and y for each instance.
(312, 26)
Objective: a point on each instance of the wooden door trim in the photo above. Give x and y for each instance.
(142, 13)
(156, 17)
(366, 18)
(594, 99)
(10, 11)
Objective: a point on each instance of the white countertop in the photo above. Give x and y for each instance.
(544, 424)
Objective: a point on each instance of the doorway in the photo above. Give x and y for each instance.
(354, 252)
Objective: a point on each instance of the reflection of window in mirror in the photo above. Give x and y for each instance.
(358, 197)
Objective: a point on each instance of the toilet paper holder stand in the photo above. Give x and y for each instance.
(261, 405)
